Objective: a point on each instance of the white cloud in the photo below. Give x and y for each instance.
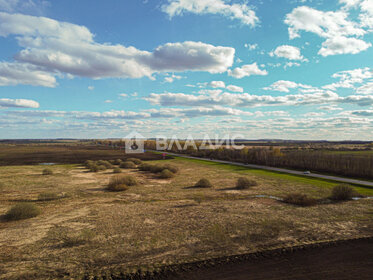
(250, 100)
(251, 47)
(108, 101)
(18, 103)
(60, 47)
(335, 27)
(172, 78)
(12, 74)
(348, 78)
(234, 88)
(123, 94)
(217, 84)
(240, 12)
(246, 71)
(365, 89)
(26, 6)
(343, 45)
(91, 87)
(289, 52)
(282, 86)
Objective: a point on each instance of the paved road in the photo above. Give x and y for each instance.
(283, 170)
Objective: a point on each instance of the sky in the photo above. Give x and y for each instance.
(281, 69)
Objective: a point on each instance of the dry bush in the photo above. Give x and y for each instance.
(343, 192)
(128, 165)
(300, 199)
(20, 211)
(105, 163)
(121, 183)
(47, 171)
(166, 174)
(47, 196)
(156, 168)
(102, 167)
(117, 170)
(144, 167)
(93, 168)
(118, 161)
(245, 183)
(135, 160)
(203, 183)
(172, 168)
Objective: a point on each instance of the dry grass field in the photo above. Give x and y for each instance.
(85, 229)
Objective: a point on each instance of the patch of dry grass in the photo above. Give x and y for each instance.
(158, 221)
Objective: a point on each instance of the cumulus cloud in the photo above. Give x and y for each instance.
(343, 45)
(338, 31)
(234, 88)
(18, 103)
(365, 89)
(246, 71)
(241, 12)
(12, 74)
(283, 86)
(217, 84)
(286, 51)
(60, 47)
(250, 100)
(348, 79)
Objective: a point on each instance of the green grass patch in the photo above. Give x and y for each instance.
(276, 175)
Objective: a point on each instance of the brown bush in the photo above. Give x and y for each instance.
(166, 174)
(343, 192)
(300, 199)
(245, 183)
(20, 211)
(47, 171)
(127, 165)
(203, 183)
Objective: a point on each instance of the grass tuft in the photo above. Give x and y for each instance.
(300, 200)
(47, 171)
(203, 183)
(343, 192)
(244, 183)
(20, 211)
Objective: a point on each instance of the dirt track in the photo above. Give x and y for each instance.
(351, 260)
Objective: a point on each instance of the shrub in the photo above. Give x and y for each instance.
(121, 183)
(47, 196)
(156, 168)
(47, 171)
(88, 163)
(166, 174)
(245, 183)
(66, 238)
(24, 210)
(300, 199)
(128, 165)
(135, 160)
(105, 163)
(144, 167)
(101, 167)
(117, 170)
(118, 161)
(172, 168)
(343, 192)
(94, 168)
(203, 183)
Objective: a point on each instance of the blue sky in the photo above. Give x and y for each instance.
(291, 69)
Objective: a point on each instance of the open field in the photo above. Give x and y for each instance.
(60, 153)
(87, 229)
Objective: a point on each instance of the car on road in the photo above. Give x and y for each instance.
(307, 172)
